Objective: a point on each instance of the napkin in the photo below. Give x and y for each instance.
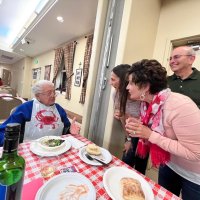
(29, 190)
(75, 142)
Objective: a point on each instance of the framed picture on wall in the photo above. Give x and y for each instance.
(78, 77)
(36, 73)
(47, 72)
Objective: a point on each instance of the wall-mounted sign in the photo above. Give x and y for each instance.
(36, 61)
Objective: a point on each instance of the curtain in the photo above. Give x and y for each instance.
(86, 65)
(57, 62)
(69, 51)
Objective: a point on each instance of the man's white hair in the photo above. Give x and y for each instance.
(190, 50)
(37, 88)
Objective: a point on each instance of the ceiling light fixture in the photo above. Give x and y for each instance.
(60, 19)
(23, 41)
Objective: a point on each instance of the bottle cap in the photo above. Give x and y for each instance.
(12, 129)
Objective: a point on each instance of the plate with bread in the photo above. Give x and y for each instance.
(122, 183)
(95, 152)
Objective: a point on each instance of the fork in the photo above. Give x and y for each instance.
(91, 158)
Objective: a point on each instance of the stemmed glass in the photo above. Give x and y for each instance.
(48, 167)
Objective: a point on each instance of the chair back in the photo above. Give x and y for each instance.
(7, 103)
(4, 91)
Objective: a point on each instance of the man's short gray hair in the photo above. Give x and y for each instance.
(37, 88)
(190, 50)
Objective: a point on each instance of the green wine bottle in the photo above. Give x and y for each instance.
(12, 166)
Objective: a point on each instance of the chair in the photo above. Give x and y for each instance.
(4, 91)
(7, 103)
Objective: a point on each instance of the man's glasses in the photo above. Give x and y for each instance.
(176, 57)
(49, 93)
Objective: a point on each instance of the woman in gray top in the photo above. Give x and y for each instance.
(124, 108)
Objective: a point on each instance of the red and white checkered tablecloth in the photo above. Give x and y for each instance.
(93, 173)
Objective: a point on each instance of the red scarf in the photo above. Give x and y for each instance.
(152, 116)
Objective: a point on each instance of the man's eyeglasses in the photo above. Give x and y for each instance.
(49, 93)
(176, 57)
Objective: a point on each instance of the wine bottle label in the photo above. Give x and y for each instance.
(11, 192)
(11, 182)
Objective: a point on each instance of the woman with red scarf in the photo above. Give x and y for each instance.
(169, 129)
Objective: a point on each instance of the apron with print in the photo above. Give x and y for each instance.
(45, 121)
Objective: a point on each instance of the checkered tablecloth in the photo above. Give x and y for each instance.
(94, 173)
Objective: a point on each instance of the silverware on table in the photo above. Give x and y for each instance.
(92, 158)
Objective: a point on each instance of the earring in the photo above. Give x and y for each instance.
(142, 96)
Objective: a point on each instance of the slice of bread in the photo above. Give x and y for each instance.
(93, 149)
(131, 189)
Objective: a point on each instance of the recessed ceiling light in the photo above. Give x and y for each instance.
(23, 41)
(60, 19)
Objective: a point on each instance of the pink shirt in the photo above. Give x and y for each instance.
(182, 132)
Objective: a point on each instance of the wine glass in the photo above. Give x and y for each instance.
(47, 167)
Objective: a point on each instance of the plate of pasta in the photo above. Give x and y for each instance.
(71, 185)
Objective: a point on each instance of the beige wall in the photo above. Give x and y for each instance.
(141, 29)
(178, 19)
(21, 73)
(18, 76)
(48, 59)
(26, 80)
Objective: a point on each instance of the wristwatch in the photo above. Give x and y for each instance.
(128, 138)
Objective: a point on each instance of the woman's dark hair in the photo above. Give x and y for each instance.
(121, 72)
(149, 71)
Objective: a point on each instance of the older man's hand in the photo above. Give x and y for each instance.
(74, 128)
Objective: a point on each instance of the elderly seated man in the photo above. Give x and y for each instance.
(40, 116)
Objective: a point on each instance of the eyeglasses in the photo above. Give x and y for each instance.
(49, 93)
(176, 57)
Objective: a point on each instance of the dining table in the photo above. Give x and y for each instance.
(72, 158)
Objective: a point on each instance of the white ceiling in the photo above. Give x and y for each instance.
(79, 20)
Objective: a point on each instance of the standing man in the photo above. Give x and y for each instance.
(186, 79)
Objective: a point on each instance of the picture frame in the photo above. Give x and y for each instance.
(47, 72)
(36, 73)
(78, 77)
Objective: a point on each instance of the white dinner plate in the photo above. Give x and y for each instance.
(105, 156)
(42, 140)
(57, 185)
(38, 150)
(111, 182)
